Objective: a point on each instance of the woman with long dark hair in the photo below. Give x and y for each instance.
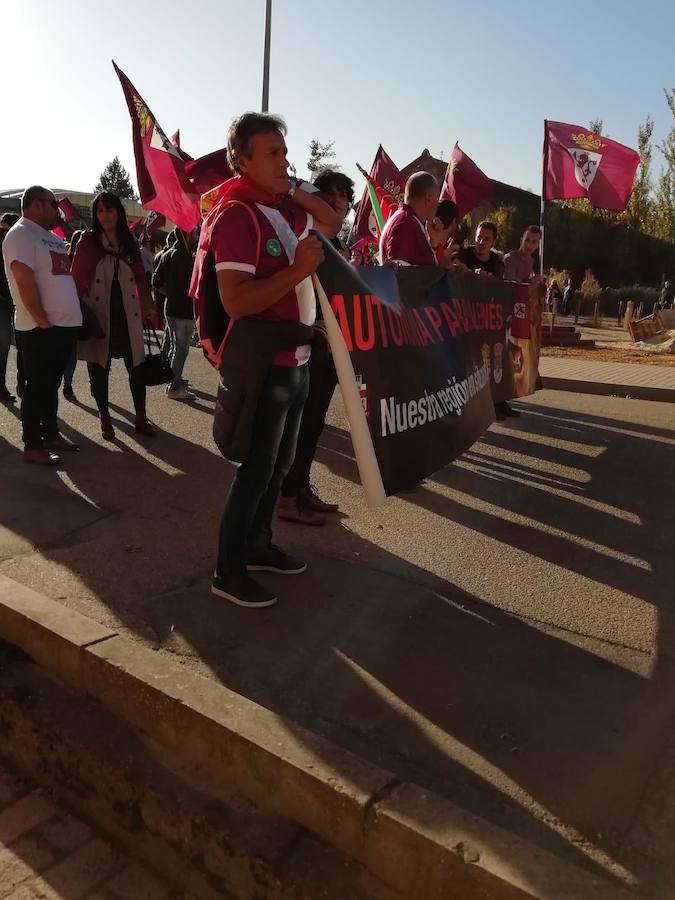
(110, 280)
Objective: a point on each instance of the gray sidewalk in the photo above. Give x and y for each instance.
(503, 636)
(632, 380)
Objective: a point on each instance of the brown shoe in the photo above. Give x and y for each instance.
(107, 430)
(61, 444)
(292, 509)
(143, 426)
(41, 458)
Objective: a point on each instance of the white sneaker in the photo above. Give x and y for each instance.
(179, 393)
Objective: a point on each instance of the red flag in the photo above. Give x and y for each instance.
(465, 183)
(578, 163)
(160, 169)
(67, 210)
(136, 226)
(385, 175)
(208, 171)
(382, 202)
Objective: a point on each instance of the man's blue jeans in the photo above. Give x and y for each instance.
(179, 332)
(246, 526)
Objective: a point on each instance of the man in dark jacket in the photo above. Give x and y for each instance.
(172, 278)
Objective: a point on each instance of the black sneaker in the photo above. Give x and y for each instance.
(311, 497)
(243, 591)
(275, 560)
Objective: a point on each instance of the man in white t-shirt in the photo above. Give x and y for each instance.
(47, 316)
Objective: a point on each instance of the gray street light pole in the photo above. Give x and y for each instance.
(266, 61)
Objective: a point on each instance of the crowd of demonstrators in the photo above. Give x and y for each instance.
(47, 316)
(171, 279)
(6, 313)
(258, 239)
(112, 285)
(300, 501)
(255, 246)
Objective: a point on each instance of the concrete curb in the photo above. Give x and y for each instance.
(604, 389)
(223, 744)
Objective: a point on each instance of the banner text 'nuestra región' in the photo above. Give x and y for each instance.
(448, 400)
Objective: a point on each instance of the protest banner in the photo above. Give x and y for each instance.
(430, 353)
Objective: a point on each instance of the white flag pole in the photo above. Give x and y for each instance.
(542, 211)
(369, 471)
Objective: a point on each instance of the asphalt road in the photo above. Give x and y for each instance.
(503, 635)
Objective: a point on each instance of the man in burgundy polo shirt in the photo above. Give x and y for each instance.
(405, 239)
(264, 258)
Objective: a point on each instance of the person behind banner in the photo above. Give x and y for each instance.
(300, 502)
(443, 232)
(481, 257)
(405, 239)
(47, 316)
(258, 238)
(519, 264)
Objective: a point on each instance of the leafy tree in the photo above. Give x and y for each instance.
(319, 155)
(590, 286)
(115, 178)
(595, 126)
(640, 211)
(511, 224)
(664, 202)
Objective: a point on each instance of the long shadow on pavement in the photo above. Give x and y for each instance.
(506, 718)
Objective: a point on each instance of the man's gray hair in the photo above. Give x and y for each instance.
(246, 126)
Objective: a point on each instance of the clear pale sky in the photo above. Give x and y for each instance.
(422, 73)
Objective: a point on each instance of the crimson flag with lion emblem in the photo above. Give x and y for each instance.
(578, 163)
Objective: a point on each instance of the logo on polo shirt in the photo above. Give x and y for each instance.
(273, 247)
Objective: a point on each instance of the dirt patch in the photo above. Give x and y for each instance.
(604, 354)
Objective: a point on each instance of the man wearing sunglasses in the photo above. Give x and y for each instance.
(47, 316)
